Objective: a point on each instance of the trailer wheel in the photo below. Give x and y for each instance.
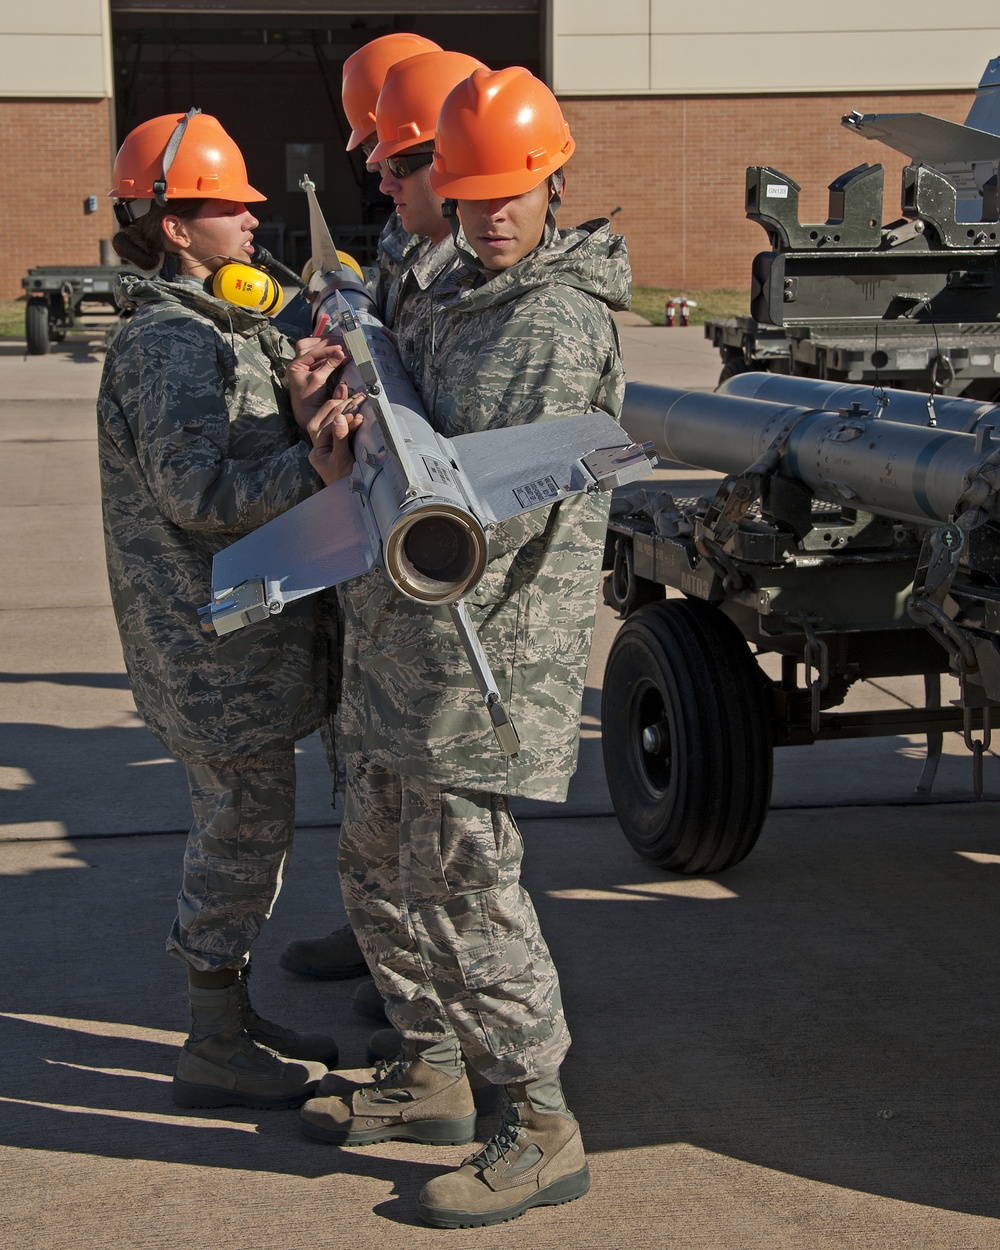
(732, 366)
(36, 327)
(623, 590)
(686, 735)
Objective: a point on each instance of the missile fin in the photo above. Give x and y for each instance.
(320, 543)
(515, 469)
(322, 246)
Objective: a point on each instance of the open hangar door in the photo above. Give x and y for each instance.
(272, 72)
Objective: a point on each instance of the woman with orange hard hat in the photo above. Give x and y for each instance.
(204, 420)
(429, 852)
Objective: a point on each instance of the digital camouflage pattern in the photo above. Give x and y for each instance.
(410, 308)
(534, 342)
(198, 446)
(430, 882)
(234, 860)
(394, 244)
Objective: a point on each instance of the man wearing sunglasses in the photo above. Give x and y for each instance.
(416, 250)
(405, 116)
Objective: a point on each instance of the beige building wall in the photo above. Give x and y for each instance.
(55, 49)
(56, 134)
(730, 47)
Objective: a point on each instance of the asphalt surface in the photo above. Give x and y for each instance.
(797, 1053)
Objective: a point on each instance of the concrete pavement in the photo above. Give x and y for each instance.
(798, 1053)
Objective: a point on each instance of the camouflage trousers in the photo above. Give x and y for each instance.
(244, 819)
(430, 879)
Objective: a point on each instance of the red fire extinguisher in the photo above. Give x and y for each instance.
(684, 311)
(669, 313)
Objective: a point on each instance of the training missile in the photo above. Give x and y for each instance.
(852, 457)
(911, 407)
(417, 506)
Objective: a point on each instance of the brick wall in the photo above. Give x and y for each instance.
(53, 153)
(676, 166)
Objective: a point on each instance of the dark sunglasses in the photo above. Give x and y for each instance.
(403, 166)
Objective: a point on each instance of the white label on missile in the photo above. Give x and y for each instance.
(438, 471)
(532, 494)
(776, 191)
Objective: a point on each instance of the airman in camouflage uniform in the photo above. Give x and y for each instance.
(198, 446)
(429, 853)
(416, 254)
(201, 440)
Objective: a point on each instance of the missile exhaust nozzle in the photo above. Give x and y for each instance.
(436, 554)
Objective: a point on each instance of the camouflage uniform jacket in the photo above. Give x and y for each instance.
(198, 446)
(394, 244)
(534, 342)
(409, 307)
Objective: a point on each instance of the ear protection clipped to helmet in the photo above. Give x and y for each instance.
(247, 287)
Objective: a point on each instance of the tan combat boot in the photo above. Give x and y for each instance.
(317, 1047)
(336, 957)
(408, 1101)
(386, 1044)
(221, 1065)
(535, 1160)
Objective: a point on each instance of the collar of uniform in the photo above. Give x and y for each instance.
(430, 260)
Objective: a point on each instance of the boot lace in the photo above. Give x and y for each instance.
(503, 1143)
(388, 1072)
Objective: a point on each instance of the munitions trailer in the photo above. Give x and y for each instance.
(57, 296)
(851, 538)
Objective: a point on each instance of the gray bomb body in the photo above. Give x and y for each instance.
(904, 471)
(910, 407)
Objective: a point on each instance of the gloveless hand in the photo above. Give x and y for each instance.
(309, 374)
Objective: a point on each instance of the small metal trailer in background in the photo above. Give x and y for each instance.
(62, 296)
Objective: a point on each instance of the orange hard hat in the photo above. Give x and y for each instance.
(499, 134)
(411, 98)
(364, 74)
(181, 156)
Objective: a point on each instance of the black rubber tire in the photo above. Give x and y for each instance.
(733, 366)
(36, 327)
(623, 590)
(697, 804)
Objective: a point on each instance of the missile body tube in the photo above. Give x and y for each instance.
(907, 472)
(909, 407)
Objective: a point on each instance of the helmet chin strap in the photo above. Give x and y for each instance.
(203, 260)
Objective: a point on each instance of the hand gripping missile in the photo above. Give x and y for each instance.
(417, 506)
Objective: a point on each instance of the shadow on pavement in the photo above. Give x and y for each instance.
(83, 350)
(93, 782)
(828, 1009)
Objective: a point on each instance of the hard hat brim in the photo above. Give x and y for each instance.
(490, 186)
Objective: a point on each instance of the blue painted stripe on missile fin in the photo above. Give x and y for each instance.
(920, 471)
